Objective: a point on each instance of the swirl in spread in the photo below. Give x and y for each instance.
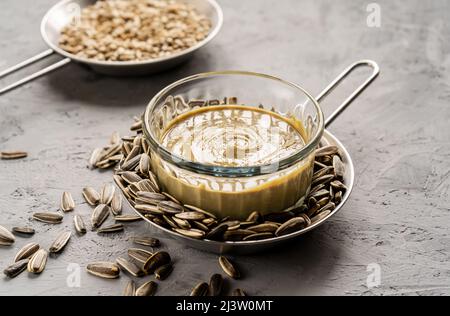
(235, 136)
(232, 136)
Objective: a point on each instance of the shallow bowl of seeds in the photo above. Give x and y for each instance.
(142, 37)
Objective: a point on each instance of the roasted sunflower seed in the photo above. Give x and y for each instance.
(154, 180)
(106, 270)
(200, 289)
(9, 155)
(135, 152)
(322, 180)
(157, 260)
(232, 225)
(201, 226)
(192, 233)
(144, 164)
(140, 255)
(131, 177)
(339, 167)
(322, 172)
(145, 146)
(147, 241)
(23, 230)
(215, 285)
(338, 185)
(182, 223)
(229, 268)
(264, 228)
(6, 237)
(109, 152)
(254, 217)
(148, 209)
(111, 229)
(127, 218)
(136, 126)
(338, 197)
(210, 222)
(312, 200)
(191, 216)
(319, 194)
(146, 186)
(16, 268)
(91, 196)
(107, 194)
(318, 165)
(151, 197)
(38, 261)
(317, 188)
(170, 221)
(95, 157)
(27, 251)
(126, 148)
(137, 141)
(119, 182)
(132, 190)
(328, 207)
(292, 225)
(163, 271)
(147, 289)
(217, 232)
(129, 267)
(171, 198)
(67, 202)
(116, 204)
(105, 164)
(99, 215)
(79, 224)
(130, 289)
(323, 202)
(60, 242)
(48, 217)
(327, 151)
(131, 164)
(170, 207)
(320, 216)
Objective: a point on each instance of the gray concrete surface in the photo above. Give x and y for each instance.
(397, 132)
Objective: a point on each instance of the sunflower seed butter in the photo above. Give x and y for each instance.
(235, 136)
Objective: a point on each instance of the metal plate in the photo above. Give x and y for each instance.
(63, 12)
(246, 247)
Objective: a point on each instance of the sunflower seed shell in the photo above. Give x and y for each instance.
(27, 251)
(147, 289)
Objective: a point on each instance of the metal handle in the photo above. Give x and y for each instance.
(357, 92)
(37, 74)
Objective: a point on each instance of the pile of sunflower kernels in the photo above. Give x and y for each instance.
(134, 30)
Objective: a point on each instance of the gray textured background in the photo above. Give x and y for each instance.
(397, 132)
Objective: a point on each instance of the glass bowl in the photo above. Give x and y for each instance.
(235, 191)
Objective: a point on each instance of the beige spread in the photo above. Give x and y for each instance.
(235, 136)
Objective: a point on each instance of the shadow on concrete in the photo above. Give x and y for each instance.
(78, 82)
